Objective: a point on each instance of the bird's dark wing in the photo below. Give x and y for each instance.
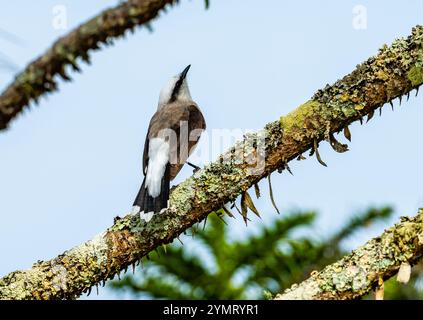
(145, 154)
(195, 119)
(170, 117)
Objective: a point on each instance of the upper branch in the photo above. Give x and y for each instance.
(393, 72)
(39, 76)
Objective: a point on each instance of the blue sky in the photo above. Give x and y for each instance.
(73, 163)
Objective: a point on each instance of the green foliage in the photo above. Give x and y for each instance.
(256, 267)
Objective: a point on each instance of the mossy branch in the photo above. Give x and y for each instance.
(40, 76)
(393, 72)
(365, 268)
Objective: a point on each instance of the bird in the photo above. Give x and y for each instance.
(172, 135)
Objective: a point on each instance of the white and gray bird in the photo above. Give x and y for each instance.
(172, 135)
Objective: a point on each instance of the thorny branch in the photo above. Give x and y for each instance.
(395, 71)
(40, 76)
(365, 269)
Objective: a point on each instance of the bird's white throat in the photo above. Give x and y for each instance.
(166, 92)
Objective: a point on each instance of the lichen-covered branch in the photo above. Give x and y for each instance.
(396, 70)
(365, 268)
(40, 76)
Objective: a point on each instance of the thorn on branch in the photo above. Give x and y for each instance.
(246, 198)
(85, 57)
(220, 217)
(204, 226)
(301, 157)
(285, 166)
(347, 133)
(149, 27)
(316, 150)
(288, 168)
(244, 209)
(370, 115)
(257, 190)
(227, 211)
(63, 75)
(336, 145)
(236, 207)
(271, 193)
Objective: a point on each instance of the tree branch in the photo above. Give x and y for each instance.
(360, 272)
(40, 76)
(395, 71)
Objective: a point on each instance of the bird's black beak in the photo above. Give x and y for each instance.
(184, 73)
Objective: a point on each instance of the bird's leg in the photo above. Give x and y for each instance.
(196, 168)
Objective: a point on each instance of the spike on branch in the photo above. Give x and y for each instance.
(289, 169)
(257, 190)
(244, 208)
(219, 215)
(301, 157)
(370, 116)
(227, 211)
(271, 193)
(249, 203)
(347, 133)
(336, 145)
(205, 220)
(316, 150)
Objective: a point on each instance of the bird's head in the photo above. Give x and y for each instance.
(176, 89)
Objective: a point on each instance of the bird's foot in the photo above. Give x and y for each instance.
(196, 168)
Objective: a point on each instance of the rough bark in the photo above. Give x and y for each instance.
(396, 70)
(40, 76)
(362, 271)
